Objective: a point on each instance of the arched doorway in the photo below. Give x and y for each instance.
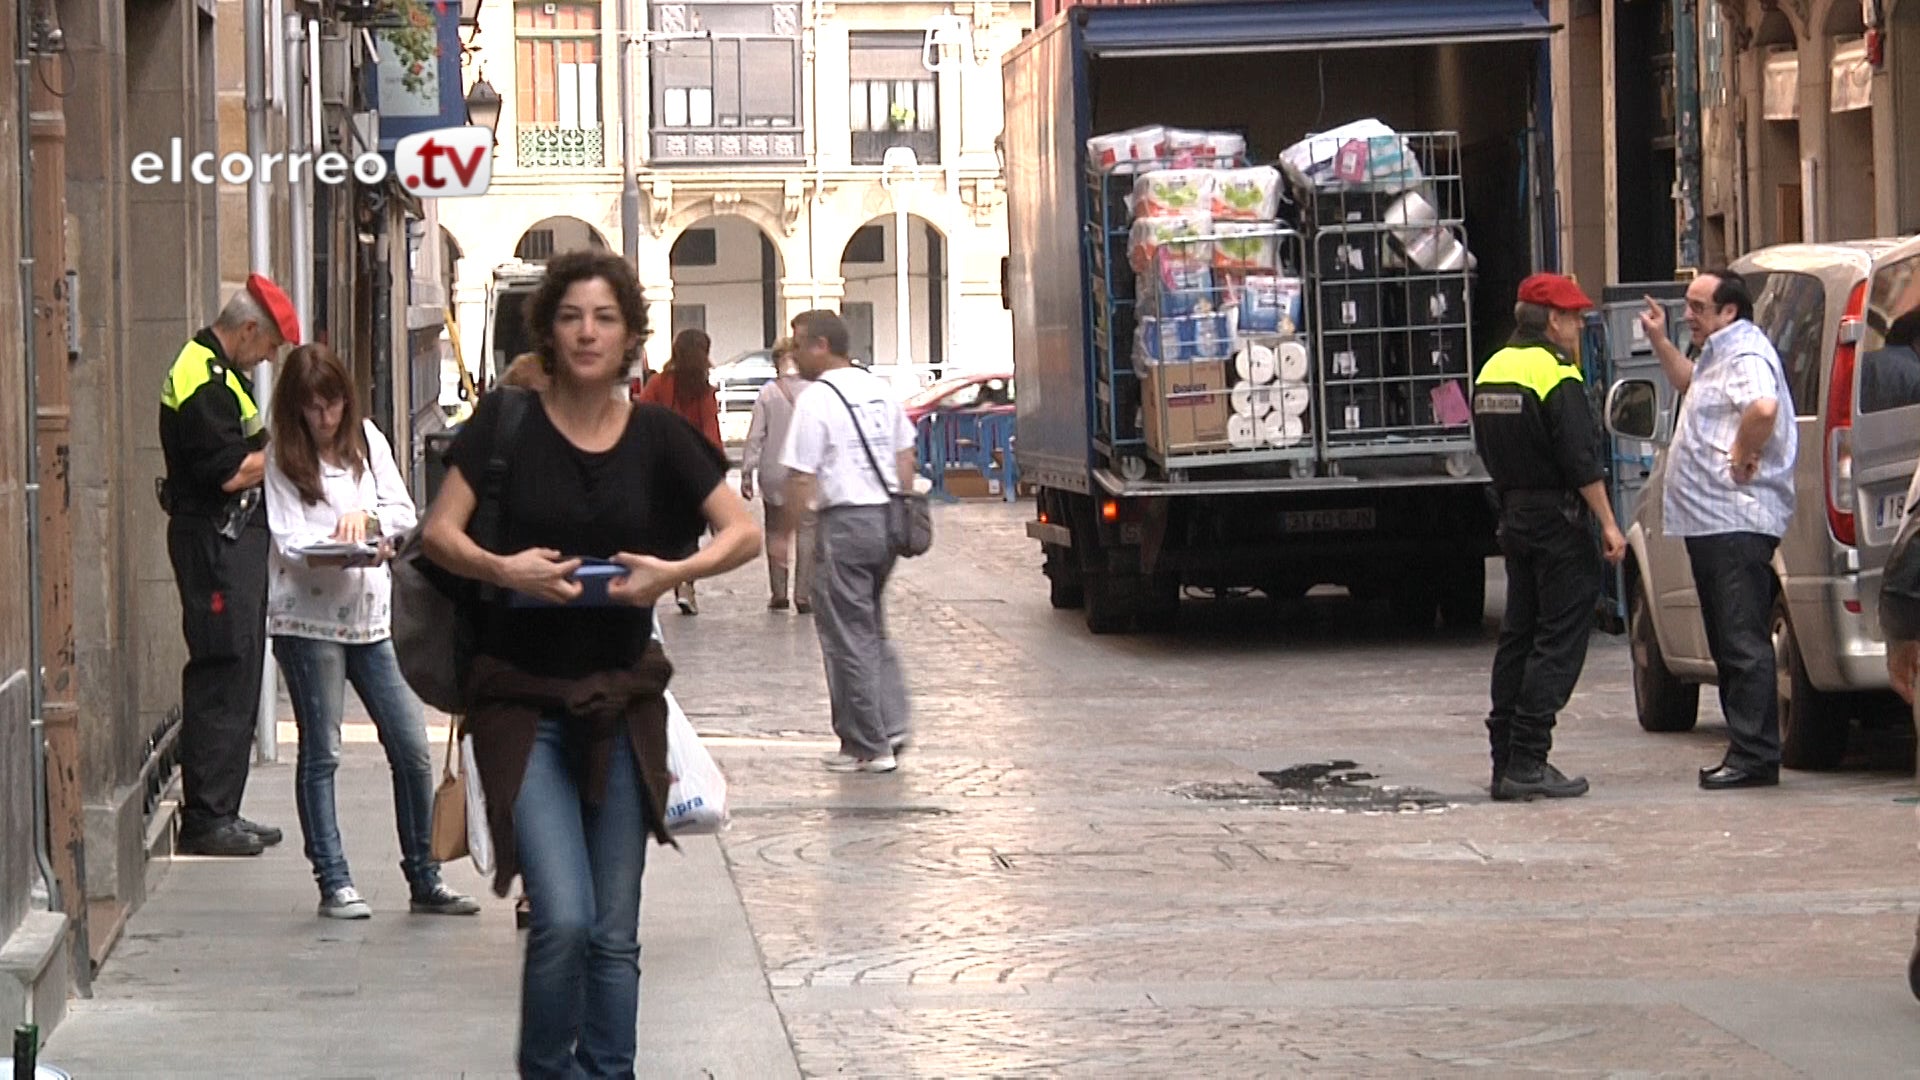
(1849, 183)
(915, 344)
(726, 281)
(1777, 192)
(556, 236)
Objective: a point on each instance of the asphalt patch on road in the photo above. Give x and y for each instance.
(1337, 786)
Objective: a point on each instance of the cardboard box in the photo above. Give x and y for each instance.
(1196, 403)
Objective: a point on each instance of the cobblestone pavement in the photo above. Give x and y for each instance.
(1080, 869)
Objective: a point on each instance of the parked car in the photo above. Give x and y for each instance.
(1812, 301)
(737, 384)
(987, 391)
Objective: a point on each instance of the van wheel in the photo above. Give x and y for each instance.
(1813, 725)
(1664, 701)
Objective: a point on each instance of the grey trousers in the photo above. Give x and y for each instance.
(864, 680)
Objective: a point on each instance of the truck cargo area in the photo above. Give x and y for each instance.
(1135, 510)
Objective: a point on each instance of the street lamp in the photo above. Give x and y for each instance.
(483, 106)
(902, 159)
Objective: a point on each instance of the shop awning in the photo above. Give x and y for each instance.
(1287, 25)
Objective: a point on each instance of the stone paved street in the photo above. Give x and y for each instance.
(1080, 870)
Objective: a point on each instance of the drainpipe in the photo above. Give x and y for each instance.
(629, 187)
(812, 68)
(1686, 64)
(300, 225)
(266, 734)
(36, 690)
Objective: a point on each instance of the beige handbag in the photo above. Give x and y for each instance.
(450, 806)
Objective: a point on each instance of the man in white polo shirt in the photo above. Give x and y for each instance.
(840, 469)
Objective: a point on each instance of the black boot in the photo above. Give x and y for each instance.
(1529, 780)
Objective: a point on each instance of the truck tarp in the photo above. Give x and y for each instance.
(1173, 29)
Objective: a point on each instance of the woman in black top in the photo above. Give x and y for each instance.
(567, 714)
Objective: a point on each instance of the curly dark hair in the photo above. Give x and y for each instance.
(566, 271)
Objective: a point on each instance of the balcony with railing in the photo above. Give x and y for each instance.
(551, 146)
(753, 145)
(870, 147)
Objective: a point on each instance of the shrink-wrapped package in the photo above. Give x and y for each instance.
(1179, 234)
(1163, 192)
(1128, 151)
(1246, 194)
(1244, 245)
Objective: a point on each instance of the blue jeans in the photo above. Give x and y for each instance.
(580, 992)
(317, 673)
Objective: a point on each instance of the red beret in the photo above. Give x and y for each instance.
(1554, 291)
(277, 305)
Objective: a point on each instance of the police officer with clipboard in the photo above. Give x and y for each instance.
(1541, 443)
(214, 437)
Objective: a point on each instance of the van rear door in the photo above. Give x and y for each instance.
(1886, 417)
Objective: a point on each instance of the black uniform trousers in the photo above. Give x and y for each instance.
(223, 612)
(1553, 582)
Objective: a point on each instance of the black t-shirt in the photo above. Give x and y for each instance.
(643, 496)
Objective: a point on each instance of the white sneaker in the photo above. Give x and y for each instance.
(345, 904)
(846, 763)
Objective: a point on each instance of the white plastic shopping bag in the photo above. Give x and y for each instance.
(697, 802)
(479, 839)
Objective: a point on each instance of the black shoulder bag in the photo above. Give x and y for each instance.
(437, 614)
(909, 513)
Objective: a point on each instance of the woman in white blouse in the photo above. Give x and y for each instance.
(331, 481)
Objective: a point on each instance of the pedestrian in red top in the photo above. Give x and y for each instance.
(684, 386)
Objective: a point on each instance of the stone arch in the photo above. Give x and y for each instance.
(869, 271)
(727, 285)
(557, 234)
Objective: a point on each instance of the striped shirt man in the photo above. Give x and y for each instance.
(1738, 367)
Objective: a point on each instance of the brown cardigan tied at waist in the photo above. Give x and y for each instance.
(504, 720)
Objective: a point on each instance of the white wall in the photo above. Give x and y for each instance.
(873, 283)
(731, 289)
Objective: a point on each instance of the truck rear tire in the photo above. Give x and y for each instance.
(1109, 605)
(1064, 588)
(1814, 725)
(1463, 596)
(1664, 701)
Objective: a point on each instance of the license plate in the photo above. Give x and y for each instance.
(1889, 510)
(1318, 521)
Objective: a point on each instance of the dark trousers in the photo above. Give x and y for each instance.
(1733, 574)
(1553, 582)
(223, 613)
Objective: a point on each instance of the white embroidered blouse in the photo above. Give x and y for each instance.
(350, 606)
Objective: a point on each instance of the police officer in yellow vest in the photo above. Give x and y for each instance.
(214, 437)
(1541, 443)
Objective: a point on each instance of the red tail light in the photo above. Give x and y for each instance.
(1838, 441)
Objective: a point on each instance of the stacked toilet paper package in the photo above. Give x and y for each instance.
(1211, 296)
(1369, 155)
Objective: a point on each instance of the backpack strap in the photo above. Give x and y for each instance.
(489, 512)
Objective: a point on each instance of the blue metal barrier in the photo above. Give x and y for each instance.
(967, 440)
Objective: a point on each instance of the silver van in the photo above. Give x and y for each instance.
(1813, 302)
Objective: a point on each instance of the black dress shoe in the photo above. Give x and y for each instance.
(226, 841)
(268, 835)
(1726, 777)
